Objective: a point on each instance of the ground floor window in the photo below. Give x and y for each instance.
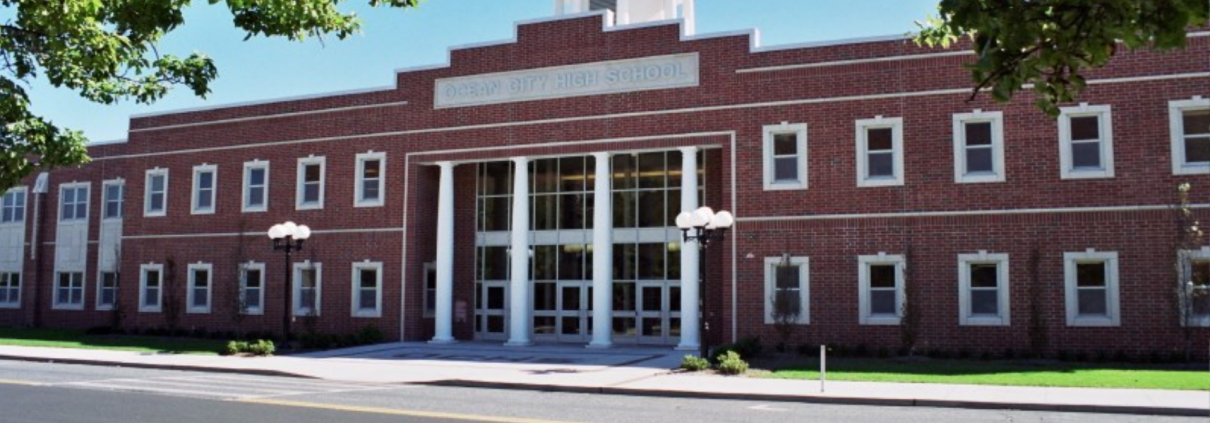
(880, 289)
(367, 289)
(307, 288)
(150, 287)
(787, 290)
(69, 290)
(430, 290)
(199, 287)
(1091, 280)
(10, 290)
(107, 290)
(252, 288)
(983, 289)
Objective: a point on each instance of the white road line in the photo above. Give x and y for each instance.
(185, 392)
(154, 383)
(319, 384)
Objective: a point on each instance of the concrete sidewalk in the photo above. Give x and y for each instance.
(627, 371)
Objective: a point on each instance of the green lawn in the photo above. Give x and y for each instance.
(994, 373)
(68, 338)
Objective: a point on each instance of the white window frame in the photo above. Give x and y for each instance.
(248, 167)
(362, 158)
(194, 207)
(147, 193)
(897, 151)
(804, 287)
(1065, 145)
(1112, 309)
(105, 200)
(243, 288)
(769, 133)
(356, 300)
(13, 303)
(996, 119)
(18, 218)
(143, 269)
(1002, 317)
(56, 305)
(1188, 257)
(296, 286)
(101, 288)
(1176, 125)
(301, 182)
(87, 186)
(192, 285)
(863, 288)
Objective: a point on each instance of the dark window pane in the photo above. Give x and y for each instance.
(623, 171)
(979, 133)
(371, 169)
(544, 325)
(785, 144)
(369, 278)
(495, 298)
(785, 169)
(883, 302)
(311, 173)
(674, 298)
(369, 190)
(652, 171)
(624, 261)
(256, 176)
(624, 215)
(544, 296)
(252, 278)
(1090, 274)
(546, 175)
(1196, 121)
(495, 213)
(788, 302)
(368, 299)
(674, 260)
(1086, 155)
(1092, 302)
(545, 212)
(881, 165)
(205, 180)
(545, 257)
(571, 326)
(653, 298)
(651, 209)
(571, 298)
(572, 175)
(787, 277)
(311, 193)
(1197, 149)
(674, 206)
(984, 276)
(651, 261)
(1085, 128)
(979, 160)
(1201, 273)
(495, 263)
(572, 211)
(985, 301)
(652, 327)
(496, 180)
(624, 326)
(882, 276)
(675, 168)
(623, 296)
(157, 183)
(495, 324)
(571, 262)
(879, 139)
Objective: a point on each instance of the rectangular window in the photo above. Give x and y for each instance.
(198, 297)
(430, 288)
(308, 284)
(73, 202)
(12, 206)
(112, 191)
(1091, 280)
(979, 147)
(69, 290)
(310, 183)
(1189, 123)
(256, 186)
(1086, 142)
(252, 288)
(107, 290)
(983, 295)
(787, 290)
(150, 287)
(156, 197)
(880, 281)
(785, 156)
(10, 290)
(205, 181)
(367, 289)
(1197, 287)
(371, 172)
(880, 152)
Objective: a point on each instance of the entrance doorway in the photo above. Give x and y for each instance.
(491, 310)
(659, 312)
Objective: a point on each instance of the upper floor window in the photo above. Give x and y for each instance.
(310, 183)
(371, 171)
(787, 290)
(12, 206)
(1086, 142)
(1091, 281)
(785, 156)
(367, 289)
(1189, 123)
(983, 289)
(156, 197)
(256, 186)
(204, 187)
(979, 147)
(73, 202)
(112, 192)
(879, 152)
(880, 289)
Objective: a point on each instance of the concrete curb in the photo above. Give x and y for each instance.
(893, 402)
(181, 367)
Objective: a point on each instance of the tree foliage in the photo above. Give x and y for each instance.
(106, 50)
(1050, 43)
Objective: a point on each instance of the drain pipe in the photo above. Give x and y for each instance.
(40, 189)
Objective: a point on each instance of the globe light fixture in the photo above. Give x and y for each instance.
(707, 226)
(288, 237)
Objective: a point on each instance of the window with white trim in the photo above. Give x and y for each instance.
(256, 186)
(1091, 282)
(881, 289)
(787, 289)
(880, 152)
(983, 294)
(367, 289)
(310, 193)
(151, 283)
(107, 290)
(785, 156)
(308, 286)
(252, 288)
(111, 198)
(371, 172)
(155, 200)
(200, 282)
(10, 289)
(1086, 142)
(430, 289)
(1189, 125)
(205, 182)
(979, 147)
(12, 206)
(73, 202)
(1197, 287)
(69, 291)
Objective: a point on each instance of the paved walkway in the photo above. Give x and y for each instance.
(629, 370)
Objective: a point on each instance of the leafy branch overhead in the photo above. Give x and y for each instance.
(1051, 43)
(106, 50)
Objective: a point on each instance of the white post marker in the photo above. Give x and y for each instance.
(823, 366)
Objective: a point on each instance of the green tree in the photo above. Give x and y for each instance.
(1050, 43)
(106, 51)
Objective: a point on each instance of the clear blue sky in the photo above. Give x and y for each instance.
(261, 69)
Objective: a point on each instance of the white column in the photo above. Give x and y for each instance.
(519, 308)
(445, 256)
(688, 14)
(602, 255)
(690, 320)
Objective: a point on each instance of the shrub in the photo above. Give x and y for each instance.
(370, 334)
(694, 363)
(749, 347)
(718, 352)
(235, 347)
(260, 347)
(732, 364)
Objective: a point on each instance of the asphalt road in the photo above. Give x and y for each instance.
(42, 393)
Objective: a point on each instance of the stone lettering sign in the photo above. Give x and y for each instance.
(617, 76)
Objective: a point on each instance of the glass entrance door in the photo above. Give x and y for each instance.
(575, 311)
(491, 311)
(659, 312)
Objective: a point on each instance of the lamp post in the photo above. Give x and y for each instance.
(288, 237)
(707, 226)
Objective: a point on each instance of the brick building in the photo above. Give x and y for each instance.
(861, 176)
